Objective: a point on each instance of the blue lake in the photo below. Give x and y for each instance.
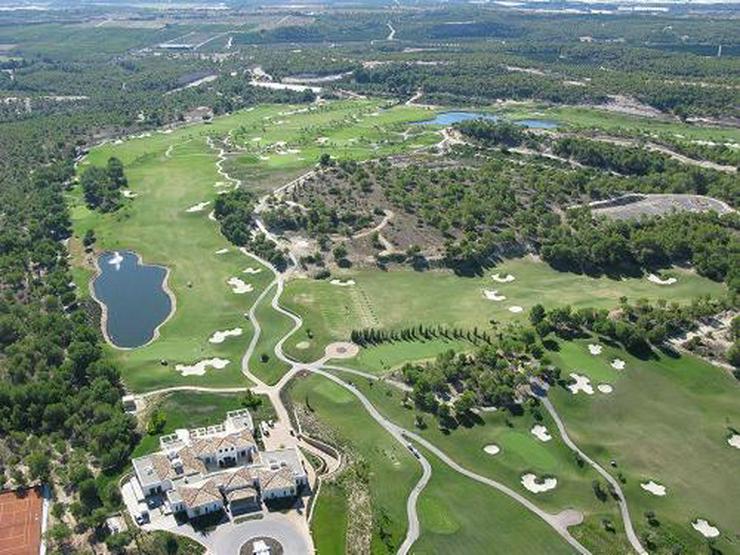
(136, 303)
(449, 118)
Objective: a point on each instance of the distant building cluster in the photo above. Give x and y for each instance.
(205, 470)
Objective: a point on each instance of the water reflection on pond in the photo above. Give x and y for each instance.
(450, 118)
(133, 296)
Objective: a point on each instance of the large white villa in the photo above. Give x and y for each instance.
(205, 470)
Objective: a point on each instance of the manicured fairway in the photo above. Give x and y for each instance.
(667, 420)
(406, 298)
(520, 453)
(329, 521)
(459, 515)
(391, 469)
(274, 326)
(581, 117)
(171, 172)
(389, 356)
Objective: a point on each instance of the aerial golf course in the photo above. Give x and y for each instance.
(661, 419)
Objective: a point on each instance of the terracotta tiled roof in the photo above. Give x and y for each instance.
(162, 466)
(190, 463)
(241, 494)
(273, 479)
(244, 477)
(211, 445)
(198, 496)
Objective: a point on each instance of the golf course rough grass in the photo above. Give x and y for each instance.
(171, 172)
(666, 420)
(404, 297)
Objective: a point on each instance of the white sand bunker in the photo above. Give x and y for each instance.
(595, 349)
(540, 432)
(251, 270)
(492, 295)
(222, 251)
(705, 529)
(660, 281)
(199, 368)
(734, 441)
(505, 279)
(516, 309)
(342, 282)
(128, 193)
(303, 345)
(492, 449)
(256, 139)
(198, 207)
(582, 383)
(238, 286)
(220, 336)
(604, 388)
(654, 488)
(618, 364)
(537, 485)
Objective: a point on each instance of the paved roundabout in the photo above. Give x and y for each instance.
(229, 539)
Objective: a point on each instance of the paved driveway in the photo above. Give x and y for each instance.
(228, 538)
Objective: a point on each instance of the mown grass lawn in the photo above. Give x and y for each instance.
(459, 515)
(668, 419)
(580, 117)
(399, 298)
(274, 326)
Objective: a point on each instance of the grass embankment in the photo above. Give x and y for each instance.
(391, 470)
(401, 298)
(171, 172)
(668, 419)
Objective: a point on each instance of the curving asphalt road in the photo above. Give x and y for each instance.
(621, 500)
(559, 522)
(398, 434)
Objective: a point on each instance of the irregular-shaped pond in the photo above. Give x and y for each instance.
(449, 118)
(133, 297)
